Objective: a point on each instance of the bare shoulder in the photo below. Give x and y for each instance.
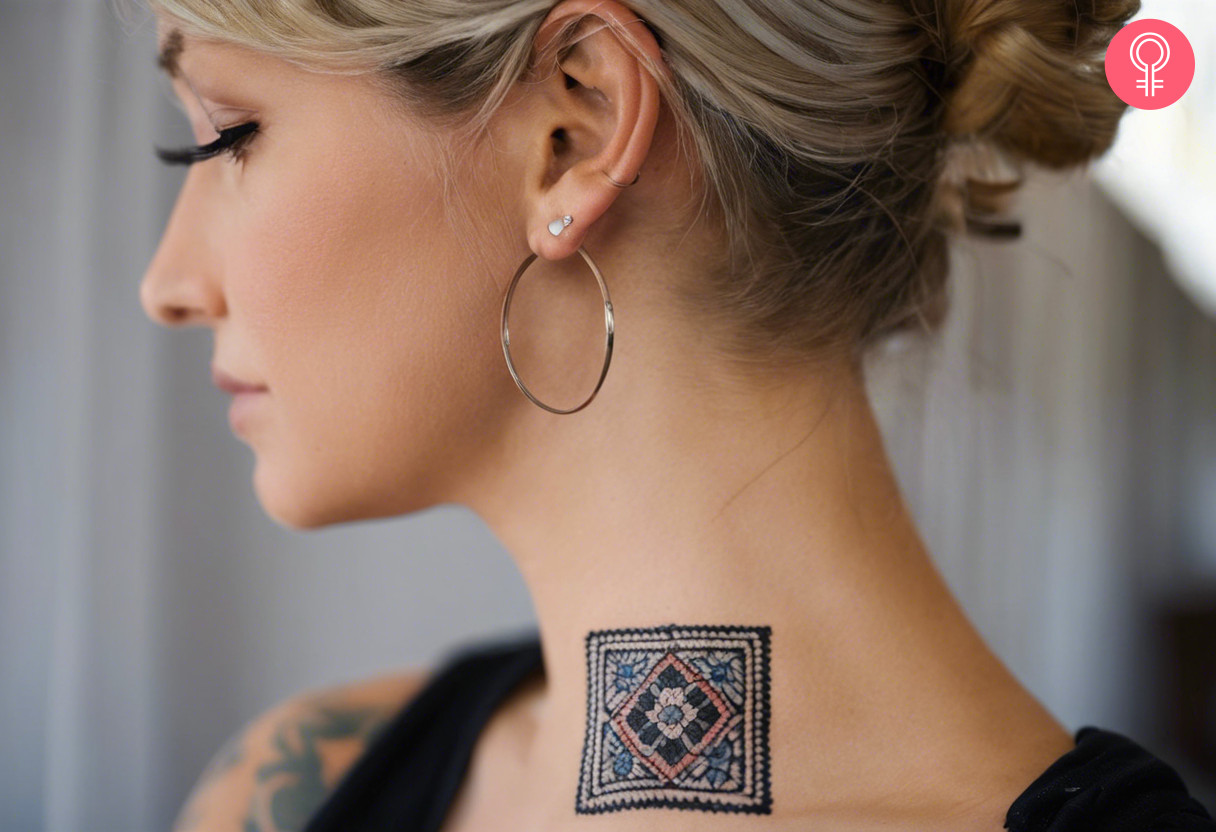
(274, 772)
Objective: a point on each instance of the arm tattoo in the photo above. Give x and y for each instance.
(290, 789)
(677, 716)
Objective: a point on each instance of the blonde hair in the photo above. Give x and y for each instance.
(839, 142)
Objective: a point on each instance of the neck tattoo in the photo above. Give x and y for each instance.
(678, 717)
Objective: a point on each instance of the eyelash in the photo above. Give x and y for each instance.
(234, 141)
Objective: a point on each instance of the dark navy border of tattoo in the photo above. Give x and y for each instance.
(762, 777)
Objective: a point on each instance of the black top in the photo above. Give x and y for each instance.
(409, 775)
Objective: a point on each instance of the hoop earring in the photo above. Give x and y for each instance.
(555, 228)
(621, 185)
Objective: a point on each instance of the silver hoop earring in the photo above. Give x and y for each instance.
(556, 227)
(622, 185)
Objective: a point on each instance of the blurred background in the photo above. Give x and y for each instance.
(1057, 443)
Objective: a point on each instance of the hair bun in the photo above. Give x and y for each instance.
(1024, 80)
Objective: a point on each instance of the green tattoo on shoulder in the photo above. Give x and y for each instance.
(291, 788)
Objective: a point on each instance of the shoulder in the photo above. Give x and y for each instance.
(275, 771)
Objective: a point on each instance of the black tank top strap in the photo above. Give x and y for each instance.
(1111, 783)
(411, 770)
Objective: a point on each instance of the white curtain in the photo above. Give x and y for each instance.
(1057, 444)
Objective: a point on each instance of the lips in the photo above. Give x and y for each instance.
(231, 384)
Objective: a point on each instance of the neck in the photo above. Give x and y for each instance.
(781, 513)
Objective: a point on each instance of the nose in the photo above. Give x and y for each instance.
(180, 285)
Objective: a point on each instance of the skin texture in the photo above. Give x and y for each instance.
(329, 271)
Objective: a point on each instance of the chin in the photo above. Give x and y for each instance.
(290, 504)
(299, 503)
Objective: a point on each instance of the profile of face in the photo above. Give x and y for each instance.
(323, 258)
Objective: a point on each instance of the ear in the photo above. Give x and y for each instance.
(596, 114)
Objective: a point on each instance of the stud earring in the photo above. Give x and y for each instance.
(557, 226)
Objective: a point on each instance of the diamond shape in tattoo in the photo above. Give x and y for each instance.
(678, 717)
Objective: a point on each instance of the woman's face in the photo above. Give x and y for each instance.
(325, 265)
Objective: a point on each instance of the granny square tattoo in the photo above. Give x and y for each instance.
(677, 716)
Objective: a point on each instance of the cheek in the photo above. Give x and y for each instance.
(372, 326)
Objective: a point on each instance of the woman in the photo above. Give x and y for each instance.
(738, 619)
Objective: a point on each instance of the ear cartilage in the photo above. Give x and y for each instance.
(557, 226)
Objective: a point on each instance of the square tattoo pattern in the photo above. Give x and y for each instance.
(677, 716)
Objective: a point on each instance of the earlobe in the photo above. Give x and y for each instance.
(557, 226)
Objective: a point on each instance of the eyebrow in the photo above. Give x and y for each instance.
(169, 54)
